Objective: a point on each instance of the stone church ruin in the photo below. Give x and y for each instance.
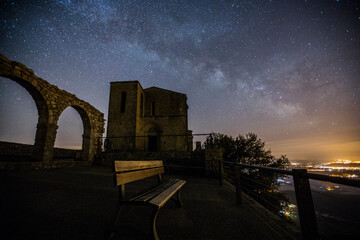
(147, 120)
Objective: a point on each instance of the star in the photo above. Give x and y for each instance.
(238, 62)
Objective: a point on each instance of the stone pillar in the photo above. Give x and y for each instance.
(91, 146)
(48, 154)
(86, 148)
(99, 145)
(39, 144)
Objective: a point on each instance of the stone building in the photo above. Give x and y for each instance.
(147, 120)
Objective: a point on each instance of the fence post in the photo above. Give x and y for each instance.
(237, 184)
(305, 204)
(221, 172)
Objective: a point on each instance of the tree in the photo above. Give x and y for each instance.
(258, 184)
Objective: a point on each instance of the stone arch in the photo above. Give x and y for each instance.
(87, 130)
(51, 101)
(43, 113)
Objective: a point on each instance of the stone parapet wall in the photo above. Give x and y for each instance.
(198, 162)
(10, 151)
(111, 156)
(191, 159)
(38, 165)
(15, 150)
(63, 153)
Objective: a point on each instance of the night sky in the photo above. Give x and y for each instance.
(287, 70)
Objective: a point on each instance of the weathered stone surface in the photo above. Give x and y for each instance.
(51, 102)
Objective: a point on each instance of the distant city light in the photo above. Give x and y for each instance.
(343, 161)
(337, 168)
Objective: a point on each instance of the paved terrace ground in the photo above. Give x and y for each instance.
(79, 203)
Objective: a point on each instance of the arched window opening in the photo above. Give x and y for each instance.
(18, 120)
(123, 102)
(69, 137)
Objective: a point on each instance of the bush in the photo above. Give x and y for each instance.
(258, 184)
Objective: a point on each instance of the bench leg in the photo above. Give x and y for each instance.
(112, 233)
(178, 201)
(154, 216)
(118, 215)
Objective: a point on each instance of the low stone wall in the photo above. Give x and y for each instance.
(20, 165)
(62, 153)
(18, 156)
(198, 162)
(15, 150)
(39, 165)
(19, 152)
(107, 158)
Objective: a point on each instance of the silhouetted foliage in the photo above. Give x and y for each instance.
(258, 184)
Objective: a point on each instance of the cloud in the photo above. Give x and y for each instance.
(217, 80)
(255, 94)
(94, 11)
(280, 109)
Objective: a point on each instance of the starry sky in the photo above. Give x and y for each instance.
(288, 70)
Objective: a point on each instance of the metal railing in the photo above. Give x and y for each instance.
(104, 143)
(306, 210)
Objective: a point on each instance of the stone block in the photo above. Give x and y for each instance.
(17, 73)
(19, 65)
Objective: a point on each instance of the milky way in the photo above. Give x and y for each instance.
(286, 70)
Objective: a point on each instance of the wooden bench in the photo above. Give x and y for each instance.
(130, 171)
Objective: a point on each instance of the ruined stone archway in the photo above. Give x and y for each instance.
(50, 102)
(43, 113)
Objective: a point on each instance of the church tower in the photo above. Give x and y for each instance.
(126, 111)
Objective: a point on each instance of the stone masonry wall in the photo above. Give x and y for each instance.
(51, 102)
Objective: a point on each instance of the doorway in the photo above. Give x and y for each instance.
(153, 145)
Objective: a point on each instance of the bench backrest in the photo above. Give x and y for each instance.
(130, 171)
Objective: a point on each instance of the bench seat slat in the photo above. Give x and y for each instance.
(123, 178)
(163, 197)
(154, 192)
(136, 165)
